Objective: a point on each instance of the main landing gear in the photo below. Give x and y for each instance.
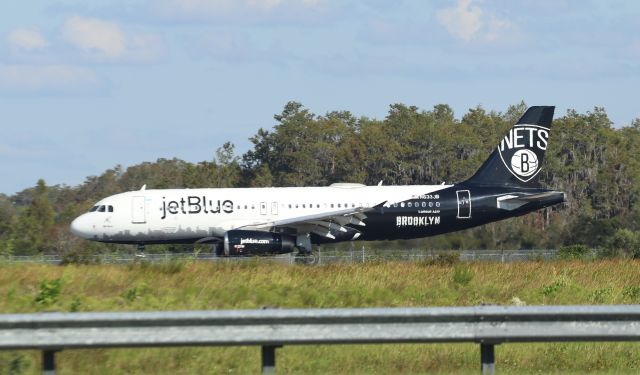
(305, 254)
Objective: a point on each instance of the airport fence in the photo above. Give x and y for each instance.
(273, 328)
(322, 256)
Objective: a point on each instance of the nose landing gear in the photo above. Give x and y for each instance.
(140, 253)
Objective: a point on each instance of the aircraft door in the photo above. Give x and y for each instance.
(263, 208)
(464, 204)
(107, 219)
(138, 211)
(274, 208)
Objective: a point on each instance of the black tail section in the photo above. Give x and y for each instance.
(517, 159)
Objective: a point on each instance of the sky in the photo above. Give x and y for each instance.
(86, 86)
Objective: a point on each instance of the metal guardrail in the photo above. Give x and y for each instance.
(273, 328)
(321, 257)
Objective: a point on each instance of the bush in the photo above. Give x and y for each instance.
(443, 259)
(624, 243)
(553, 288)
(601, 295)
(48, 292)
(83, 258)
(577, 251)
(134, 293)
(631, 292)
(462, 275)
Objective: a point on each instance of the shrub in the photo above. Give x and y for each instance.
(631, 292)
(48, 292)
(134, 293)
(624, 243)
(462, 275)
(79, 258)
(577, 251)
(601, 295)
(443, 259)
(553, 288)
(75, 304)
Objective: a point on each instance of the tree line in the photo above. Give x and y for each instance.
(593, 162)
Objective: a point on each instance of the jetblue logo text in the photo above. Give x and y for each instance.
(254, 241)
(195, 205)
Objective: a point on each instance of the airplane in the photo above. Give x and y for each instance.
(279, 220)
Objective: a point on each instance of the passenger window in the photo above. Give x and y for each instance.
(110, 208)
(339, 205)
(304, 206)
(101, 209)
(424, 204)
(331, 205)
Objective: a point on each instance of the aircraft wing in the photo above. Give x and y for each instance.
(322, 224)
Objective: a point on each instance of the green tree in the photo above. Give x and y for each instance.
(7, 216)
(33, 228)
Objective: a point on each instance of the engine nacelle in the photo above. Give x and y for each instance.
(250, 242)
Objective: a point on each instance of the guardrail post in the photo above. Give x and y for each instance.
(487, 359)
(48, 362)
(269, 359)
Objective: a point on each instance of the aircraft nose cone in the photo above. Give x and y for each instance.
(81, 227)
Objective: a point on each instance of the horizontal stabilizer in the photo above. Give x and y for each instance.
(511, 202)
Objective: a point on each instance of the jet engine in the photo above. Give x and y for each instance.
(250, 242)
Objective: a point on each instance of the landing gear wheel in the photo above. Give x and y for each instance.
(308, 258)
(218, 249)
(140, 253)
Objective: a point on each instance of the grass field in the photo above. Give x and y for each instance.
(196, 286)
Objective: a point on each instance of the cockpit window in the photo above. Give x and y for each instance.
(101, 208)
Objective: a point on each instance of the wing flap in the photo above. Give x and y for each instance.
(358, 212)
(324, 224)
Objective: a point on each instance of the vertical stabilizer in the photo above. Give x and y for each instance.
(518, 158)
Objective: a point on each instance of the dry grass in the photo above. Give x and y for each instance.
(196, 286)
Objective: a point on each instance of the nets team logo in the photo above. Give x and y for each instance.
(524, 162)
(522, 149)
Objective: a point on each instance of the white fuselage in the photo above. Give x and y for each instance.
(148, 216)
